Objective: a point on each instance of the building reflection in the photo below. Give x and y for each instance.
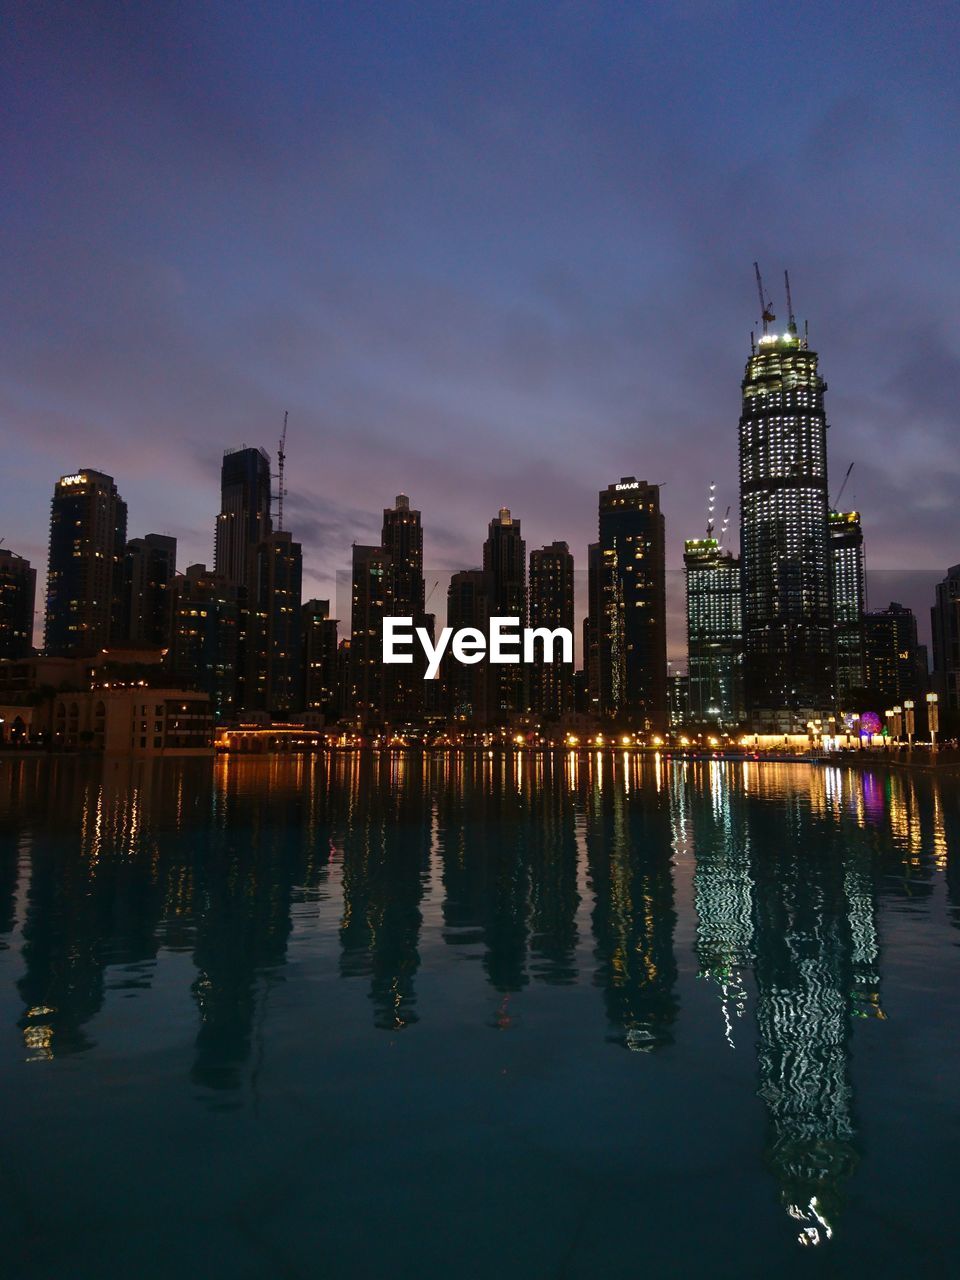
(386, 863)
(722, 883)
(628, 840)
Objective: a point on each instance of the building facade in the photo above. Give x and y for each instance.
(149, 570)
(714, 633)
(18, 593)
(505, 564)
(471, 694)
(206, 638)
(319, 650)
(371, 602)
(890, 655)
(849, 599)
(551, 606)
(945, 627)
(402, 540)
(629, 596)
(244, 520)
(88, 538)
(784, 538)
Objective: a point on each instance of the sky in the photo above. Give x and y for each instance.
(484, 254)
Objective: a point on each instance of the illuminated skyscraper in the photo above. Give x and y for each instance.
(18, 590)
(714, 632)
(849, 598)
(206, 637)
(505, 563)
(890, 659)
(551, 606)
(784, 537)
(631, 597)
(274, 680)
(88, 535)
(372, 600)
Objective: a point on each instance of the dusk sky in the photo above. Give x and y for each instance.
(485, 254)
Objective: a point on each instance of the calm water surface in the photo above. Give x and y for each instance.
(464, 1017)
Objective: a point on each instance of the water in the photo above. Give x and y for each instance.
(476, 1016)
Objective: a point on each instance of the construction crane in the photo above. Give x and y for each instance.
(723, 527)
(766, 315)
(430, 593)
(791, 321)
(710, 519)
(281, 459)
(836, 501)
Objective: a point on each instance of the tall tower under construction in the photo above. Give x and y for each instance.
(784, 533)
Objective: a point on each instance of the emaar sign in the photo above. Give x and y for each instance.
(506, 642)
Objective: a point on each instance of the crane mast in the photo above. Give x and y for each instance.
(281, 459)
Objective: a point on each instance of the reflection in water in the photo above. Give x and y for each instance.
(105, 870)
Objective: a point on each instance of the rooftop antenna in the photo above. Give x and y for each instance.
(792, 325)
(766, 315)
(281, 459)
(842, 487)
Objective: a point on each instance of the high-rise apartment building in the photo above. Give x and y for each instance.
(319, 651)
(402, 540)
(471, 694)
(945, 626)
(18, 592)
(149, 569)
(244, 520)
(714, 633)
(206, 637)
(784, 536)
(88, 535)
(551, 606)
(274, 678)
(631, 624)
(890, 658)
(371, 602)
(849, 599)
(505, 563)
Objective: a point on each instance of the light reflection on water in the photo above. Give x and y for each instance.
(445, 894)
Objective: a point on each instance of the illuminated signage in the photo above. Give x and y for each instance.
(79, 479)
(633, 484)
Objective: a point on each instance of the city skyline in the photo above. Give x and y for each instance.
(495, 282)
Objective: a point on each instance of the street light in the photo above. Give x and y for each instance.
(908, 706)
(933, 718)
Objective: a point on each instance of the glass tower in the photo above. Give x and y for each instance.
(784, 537)
(714, 632)
(849, 598)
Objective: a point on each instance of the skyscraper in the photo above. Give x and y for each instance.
(88, 534)
(402, 540)
(891, 667)
(468, 687)
(631, 597)
(319, 658)
(849, 599)
(784, 539)
(206, 637)
(149, 568)
(505, 563)
(244, 519)
(945, 625)
(371, 601)
(551, 606)
(714, 632)
(18, 591)
(273, 638)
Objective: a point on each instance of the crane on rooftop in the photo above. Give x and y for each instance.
(281, 459)
(766, 315)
